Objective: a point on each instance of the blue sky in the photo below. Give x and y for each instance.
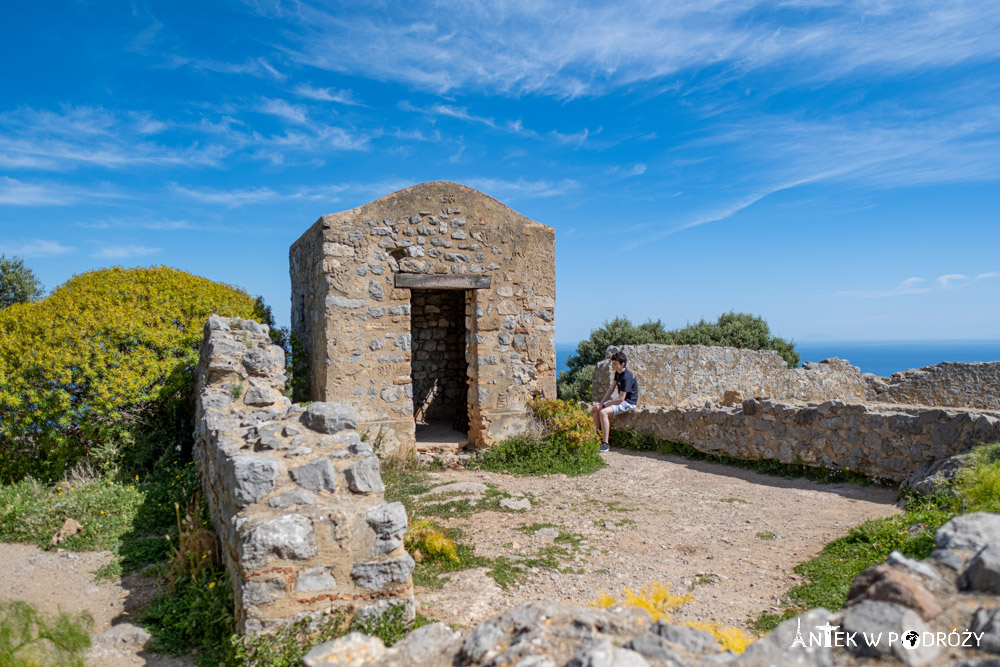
(832, 166)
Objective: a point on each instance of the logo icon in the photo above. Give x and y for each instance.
(911, 639)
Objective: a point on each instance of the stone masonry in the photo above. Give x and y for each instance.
(295, 494)
(358, 277)
(877, 441)
(824, 414)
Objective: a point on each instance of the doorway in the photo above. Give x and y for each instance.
(439, 368)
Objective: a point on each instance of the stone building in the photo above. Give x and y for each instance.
(431, 312)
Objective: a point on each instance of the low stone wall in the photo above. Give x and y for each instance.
(295, 495)
(675, 375)
(877, 441)
(975, 385)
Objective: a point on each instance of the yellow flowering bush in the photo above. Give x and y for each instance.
(427, 541)
(658, 601)
(566, 423)
(86, 367)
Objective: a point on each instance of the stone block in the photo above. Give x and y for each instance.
(289, 537)
(364, 476)
(982, 574)
(317, 475)
(315, 579)
(376, 575)
(291, 498)
(252, 477)
(389, 523)
(329, 417)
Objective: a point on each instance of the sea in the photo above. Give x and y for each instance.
(881, 357)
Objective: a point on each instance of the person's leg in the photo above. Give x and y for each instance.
(606, 422)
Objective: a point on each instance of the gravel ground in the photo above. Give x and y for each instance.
(729, 537)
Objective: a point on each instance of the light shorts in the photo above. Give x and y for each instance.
(624, 406)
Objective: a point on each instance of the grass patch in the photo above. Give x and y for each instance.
(732, 500)
(508, 571)
(647, 442)
(525, 455)
(766, 535)
(128, 517)
(29, 637)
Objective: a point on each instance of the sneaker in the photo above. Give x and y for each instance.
(605, 447)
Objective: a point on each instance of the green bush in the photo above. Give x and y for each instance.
(730, 330)
(103, 367)
(566, 445)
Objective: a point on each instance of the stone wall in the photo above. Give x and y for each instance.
(974, 385)
(352, 274)
(676, 375)
(295, 495)
(877, 441)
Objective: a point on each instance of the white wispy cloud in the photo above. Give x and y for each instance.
(918, 285)
(42, 139)
(14, 192)
(523, 187)
(230, 198)
(36, 248)
(257, 67)
(124, 251)
(340, 96)
(570, 49)
(283, 109)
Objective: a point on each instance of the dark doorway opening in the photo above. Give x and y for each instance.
(439, 367)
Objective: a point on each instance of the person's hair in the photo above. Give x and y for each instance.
(620, 358)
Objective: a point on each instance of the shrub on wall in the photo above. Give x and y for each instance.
(103, 363)
(730, 330)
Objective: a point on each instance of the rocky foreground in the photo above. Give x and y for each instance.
(944, 611)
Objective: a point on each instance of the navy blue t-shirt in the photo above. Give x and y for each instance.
(628, 386)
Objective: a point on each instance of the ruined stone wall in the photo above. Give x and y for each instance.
(295, 495)
(676, 375)
(877, 441)
(973, 385)
(353, 320)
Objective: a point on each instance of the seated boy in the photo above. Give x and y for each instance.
(628, 397)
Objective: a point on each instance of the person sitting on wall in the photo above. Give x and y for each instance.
(628, 397)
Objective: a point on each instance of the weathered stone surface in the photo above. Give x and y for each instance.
(884, 583)
(885, 617)
(352, 650)
(288, 537)
(252, 478)
(514, 504)
(259, 396)
(376, 575)
(364, 476)
(982, 574)
(987, 622)
(290, 498)
(937, 476)
(258, 361)
(315, 579)
(389, 523)
(261, 592)
(430, 645)
(329, 417)
(317, 475)
(777, 647)
(969, 532)
(602, 653)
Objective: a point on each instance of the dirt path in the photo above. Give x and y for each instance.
(729, 537)
(64, 581)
